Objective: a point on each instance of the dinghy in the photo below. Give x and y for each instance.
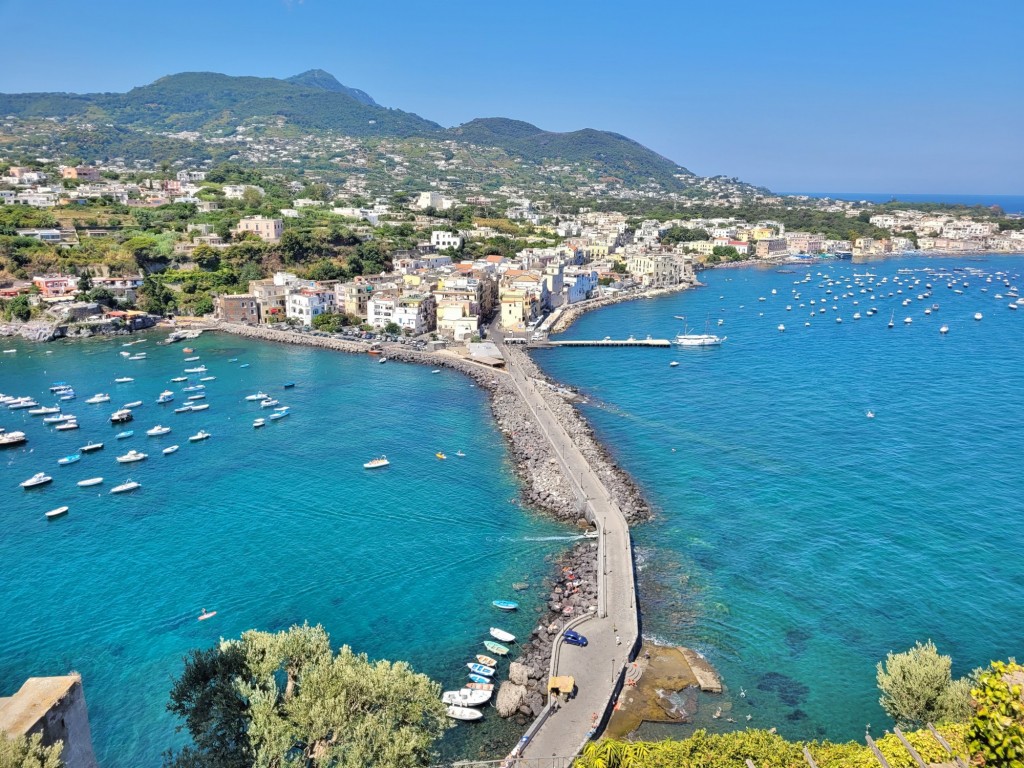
(466, 697)
(496, 648)
(487, 661)
(479, 680)
(464, 713)
(500, 634)
(505, 605)
(90, 482)
(480, 669)
(56, 512)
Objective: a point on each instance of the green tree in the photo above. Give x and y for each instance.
(101, 296)
(917, 687)
(995, 736)
(18, 308)
(85, 283)
(29, 752)
(206, 257)
(155, 297)
(392, 329)
(277, 699)
(727, 252)
(619, 268)
(252, 197)
(676, 234)
(329, 322)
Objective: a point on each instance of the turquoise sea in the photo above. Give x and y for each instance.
(268, 527)
(797, 541)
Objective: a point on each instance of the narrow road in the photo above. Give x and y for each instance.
(612, 630)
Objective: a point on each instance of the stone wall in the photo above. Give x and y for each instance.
(55, 708)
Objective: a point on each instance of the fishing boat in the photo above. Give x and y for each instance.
(56, 512)
(476, 685)
(123, 379)
(123, 435)
(258, 396)
(505, 605)
(158, 430)
(466, 697)
(496, 648)
(200, 407)
(90, 447)
(11, 439)
(165, 397)
(39, 478)
(257, 423)
(131, 485)
(501, 634)
(289, 384)
(132, 456)
(122, 416)
(198, 369)
(44, 410)
(480, 669)
(464, 713)
(70, 459)
(67, 425)
(200, 435)
(90, 482)
(487, 661)
(440, 456)
(132, 404)
(170, 449)
(269, 403)
(381, 461)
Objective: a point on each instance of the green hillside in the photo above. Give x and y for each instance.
(325, 81)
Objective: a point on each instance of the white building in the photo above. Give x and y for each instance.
(434, 200)
(442, 240)
(304, 304)
(380, 310)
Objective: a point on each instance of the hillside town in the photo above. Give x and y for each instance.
(450, 283)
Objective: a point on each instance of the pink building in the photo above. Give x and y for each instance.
(55, 285)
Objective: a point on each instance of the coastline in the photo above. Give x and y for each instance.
(577, 310)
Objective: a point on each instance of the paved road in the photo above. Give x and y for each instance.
(612, 632)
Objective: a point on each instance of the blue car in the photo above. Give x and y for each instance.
(574, 638)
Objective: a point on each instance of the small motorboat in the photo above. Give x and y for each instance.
(505, 605)
(289, 384)
(466, 697)
(90, 482)
(258, 396)
(59, 419)
(158, 430)
(170, 449)
(257, 423)
(464, 713)
(269, 403)
(480, 669)
(125, 354)
(232, 359)
(200, 435)
(122, 416)
(67, 425)
(206, 615)
(977, 315)
(501, 634)
(39, 478)
(44, 411)
(100, 398)
(123, 379)
(191, 359)
(71, 459)
(200, 396)
(131, 456)
(90, 447)
(244, 365)
(60, 386)
(944, 330)
(196, 388)
(478, 686)
(440, 456)
(67, 396)
(183, 409)
(131, 485)
(18, 405)
(496, 648)
(137, 356)
(122, 435)
(200, 407)
(382, 360)
(197, 369)
(132, 404)
(436, 370)
(476, 680)
(487, 661)
(278, 415)
(188, 351)
(673, 364)
(870, 414)
(460, 454)
(56, 512)
(165, 397)
(208, 378)
(381, 461)
(178, 379)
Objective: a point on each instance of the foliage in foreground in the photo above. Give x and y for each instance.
(29, 752)
(766, 749)
(996, 734)
(917, 688)
(279, 699)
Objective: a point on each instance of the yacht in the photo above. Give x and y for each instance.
(39, 478)
(158, 430)
(131, 456)
(165, 397)
(688, 339)
(44, 411)
(200, 435)
(122, 416)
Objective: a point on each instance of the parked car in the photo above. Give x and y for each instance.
(573, 637)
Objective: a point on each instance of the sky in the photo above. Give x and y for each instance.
(872, 96)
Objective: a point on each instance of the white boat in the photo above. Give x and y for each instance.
(259, 423)
(132, 404)
(131, 456)
(56, 512)
(673, 364)
(502, 636)
(183, 409)
(191, 359)
(20, 404)
(44, 411)
(908, 320)
(90, 482)
(200, 435)
(466, 697)
(781, 327)
(39, 478)
(382, 461)
(200, 396)
(170, 449)
(179, 378)
(464, 713)
(158, 430)
(125, 354)
(138, 356)
(269, 403)
(382, 360)
(58, 419)
(123, 379)
(258, 396)
(977, 315)
(687, 339)
(122, 416)
(436, 370)
(90, 447)
(208, 378)
(199, 369)
(131, 485)
(278, 415)
(69, 459)
(944, 330)
(67, 425)
(200, 406)
(165, 397)
(12, 438)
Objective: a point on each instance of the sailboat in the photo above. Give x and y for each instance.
(892, 319)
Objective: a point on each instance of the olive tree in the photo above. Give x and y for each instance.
(917, 687)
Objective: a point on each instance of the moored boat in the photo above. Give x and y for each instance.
(10, 439)
(170, 449)
(289, 384)
(500, 634)
(441, 456)
(258, 396)
(487, 661)
(90, 482)
(132, 456)
(122, 435)
(466, 697)
(197, 369)
(480, 669)
(158, 430)
(478, 686)
(496, 648)
(100, 398)
(479, 680)
(123, 379)
(70, 459)
(131, 485)
(44, 410)
(200, 435)
(90, 447)
(122, 416)
(56, 512)
(257, 423)
(132, 404)
(59, 419)
(67, 425)
(200, 396)
(39, 478)
(464, 713)
(505, 605)
(199, 407)
(183, 409)
(165, 397)
(278, 415)
(269, 403)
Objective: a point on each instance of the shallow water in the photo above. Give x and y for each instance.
(268, 527)
(798, 541)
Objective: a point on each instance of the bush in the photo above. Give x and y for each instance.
(917, 688)
(996, 734)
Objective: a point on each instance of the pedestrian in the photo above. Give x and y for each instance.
(618, 640)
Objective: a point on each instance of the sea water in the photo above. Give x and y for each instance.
(797, 540)
(269, 527)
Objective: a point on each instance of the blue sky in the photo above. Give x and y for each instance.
(901, 95)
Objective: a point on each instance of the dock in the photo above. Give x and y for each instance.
(663, 343)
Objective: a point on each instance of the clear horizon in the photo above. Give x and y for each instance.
(801, 95)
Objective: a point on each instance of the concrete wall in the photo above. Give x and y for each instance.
(54, 707)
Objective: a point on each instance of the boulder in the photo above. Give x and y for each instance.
(510, 698)
(518, 673)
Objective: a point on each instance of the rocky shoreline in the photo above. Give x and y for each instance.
(50, 330)
(575, 311)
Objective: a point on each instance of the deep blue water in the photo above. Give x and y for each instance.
(798, 541)
(1009, 203)
(268, 527)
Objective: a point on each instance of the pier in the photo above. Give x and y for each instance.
(609, 343)
(613, 630)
